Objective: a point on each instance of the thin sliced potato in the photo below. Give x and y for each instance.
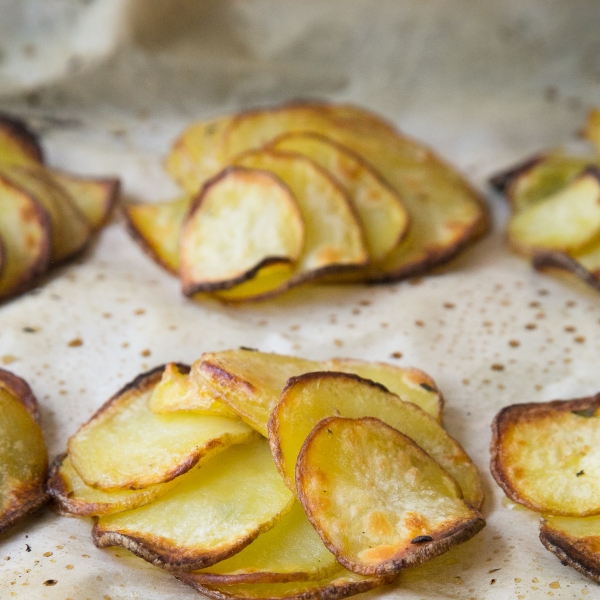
(379, 207)
(18, 145)
(212, 514)
(592, 128)
(546, 456)
(74, 497)
(309, 398)
(23, 455)
(566, 222)
(178, 391)
(127, 446)
(576, 542)
(291, 551)
(269, 277)
(585, 266)
(95, 198)
(25, 233)
(242, 220)
(340, 585)
(379, 502)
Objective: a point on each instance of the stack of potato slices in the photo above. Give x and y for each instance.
(546, 457)
(46, 216)
(23, 456)
(555, 202)
(301, 193)
(255, 475)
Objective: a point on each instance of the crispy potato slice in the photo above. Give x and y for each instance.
(309, 398)
(74, 497)
(214, 513)
(242, 220)
(18, 145)
(575, 541)
(568, 221)
(95, 198)
(23, 456)
(269, 277)
(178, 391)
(585, 266)
(291, 551)
(379, 207)
(558, 478)
(592, 128)
(127, 446)
(340, 585)
(412, 385)
(379, 502)
(25, 233)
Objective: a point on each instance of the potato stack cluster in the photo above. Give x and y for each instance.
(555, 202)
(46, 216)
(256, 475)
(304, 192)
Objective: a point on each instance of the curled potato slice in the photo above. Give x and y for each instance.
(379, 502)
(23, 456)
(127, 446)
(269, 277)
(18, 145)
(213, 513)
(585, 266)
(309, 398)
(591, 130)
(380, 209)
(545, 455)
(291, 551)
(575, 541)
(242, 220)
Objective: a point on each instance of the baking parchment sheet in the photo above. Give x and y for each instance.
(110, 83)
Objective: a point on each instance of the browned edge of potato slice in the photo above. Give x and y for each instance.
(580, 554)
(591, 130)
(548, 260)
(17, 133)
(20, 389)
(503, 180)
(509, 471)
(244, 178)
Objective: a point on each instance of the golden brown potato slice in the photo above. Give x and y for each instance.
(568, 221)
(178, 391)
(309, 398)
(127, 446)
(340, 585)
(23, 457)
(242, 220)
(18, 145)
(575, 541)
(25, 233)
(74, 497)
(269, 277)
(381, 211)
(379, 502)
(592, 128)
(291, 551)
(213, 513)
(585, 266)
(546, 457)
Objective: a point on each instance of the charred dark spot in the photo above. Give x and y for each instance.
(580, 473)
(27, 548)
(248, 349)
(586, 413)
(421, 539)
(428, 387)
(49, 582)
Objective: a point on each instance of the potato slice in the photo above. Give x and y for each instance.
(269, 277)
(379, 502)
(557, 478)
(18, 145)
(379, 207)
(291, 551)
(74, 497)
(576, 542)
(213, 513)
(23, 456)
(127, 446)
(25, 234)
(585, 266)
(178, 391)
(592, 128)
(567, 221)
(309, 398)
(242, 220)
(340, 585)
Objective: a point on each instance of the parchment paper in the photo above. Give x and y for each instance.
(110, 83)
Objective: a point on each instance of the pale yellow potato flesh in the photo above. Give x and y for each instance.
(178, 391)
(384, 218)
(23, 461)
(214, 512)
(25, 233)
(127, 446)
(242, 220)
(592, 128)
(379, 502)
(291, 551)
(314, 396)
(546, 456)
(269, 277)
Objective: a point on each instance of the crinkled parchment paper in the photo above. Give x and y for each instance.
(110, 83)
